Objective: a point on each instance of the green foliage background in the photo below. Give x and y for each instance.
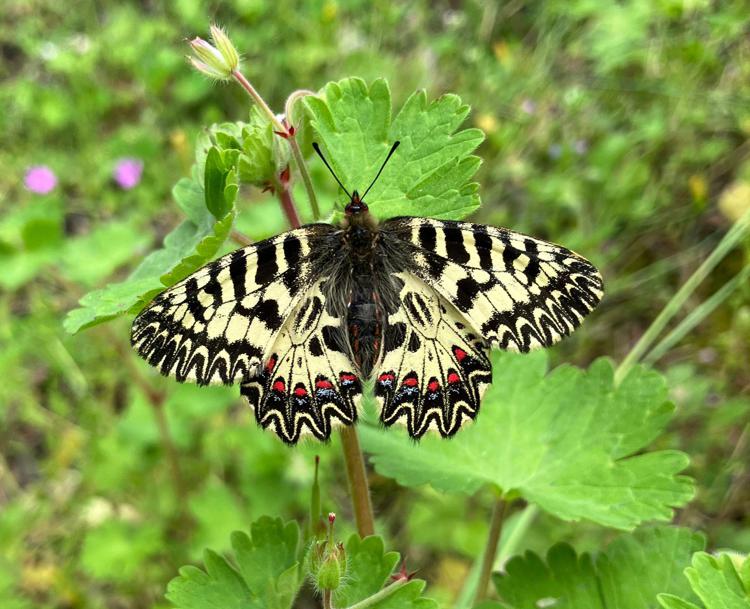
(618, 129)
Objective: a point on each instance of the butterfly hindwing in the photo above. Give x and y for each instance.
(433, 368)
(218, 324)
(308, 384)
(519, 293)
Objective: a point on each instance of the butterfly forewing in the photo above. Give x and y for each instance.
(519, 293)
(434, 367)
(218, 325)
(308, 384)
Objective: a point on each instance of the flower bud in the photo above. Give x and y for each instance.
(331, 570)
(327, 561)
(218, 60)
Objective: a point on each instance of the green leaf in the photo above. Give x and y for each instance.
(205, 250)
(266, 577)
(369, 567)
(264, 154)
(630, 573)
(214, 183)
(189, 246)
(717, 583)
(430, 173)
(568, 441)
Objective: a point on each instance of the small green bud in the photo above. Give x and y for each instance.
(218, 61)
(329, 574)
(326, 561)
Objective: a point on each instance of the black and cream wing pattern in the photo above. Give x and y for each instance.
(255, 318)
(300, 321)
(470, 287)
(519, 293)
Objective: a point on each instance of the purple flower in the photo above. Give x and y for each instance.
(554, 151)
(40, 179)
(581, 146)
(128, 172)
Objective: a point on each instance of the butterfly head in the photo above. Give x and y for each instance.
(356, 205)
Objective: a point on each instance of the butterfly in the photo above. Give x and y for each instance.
(301, 321)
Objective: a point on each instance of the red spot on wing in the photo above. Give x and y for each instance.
(279, 386)
(323, 384)
(386, 376)
(459, 353)
(454, 378)
(300, 392)
(347, 377)
(271, 364)
(411, 381)
(433, 386)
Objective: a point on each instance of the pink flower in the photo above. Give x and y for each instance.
(40, 179)
(128, 172)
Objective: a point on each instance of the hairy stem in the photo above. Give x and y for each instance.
(245, 84)
(327, 596)
(357, 476)
(490, 550)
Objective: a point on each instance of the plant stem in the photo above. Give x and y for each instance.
(327, 595)
(297, 153)
(490, 550)
(357, 476)
(287, 202)
(733, 236)
(281, 128)
(522, 524)
(240, 238)
(380, 595)
(245, 83)
(302, 168)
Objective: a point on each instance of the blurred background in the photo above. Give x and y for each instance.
(618, 129)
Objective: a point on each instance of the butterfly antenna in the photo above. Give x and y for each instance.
(333, 173)
(390, 154)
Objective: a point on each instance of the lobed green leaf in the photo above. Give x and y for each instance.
(430, 173)
(629, 573)
(565, 440)
(266, 577)
(717, 581)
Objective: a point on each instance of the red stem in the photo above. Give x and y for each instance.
(287, 204)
